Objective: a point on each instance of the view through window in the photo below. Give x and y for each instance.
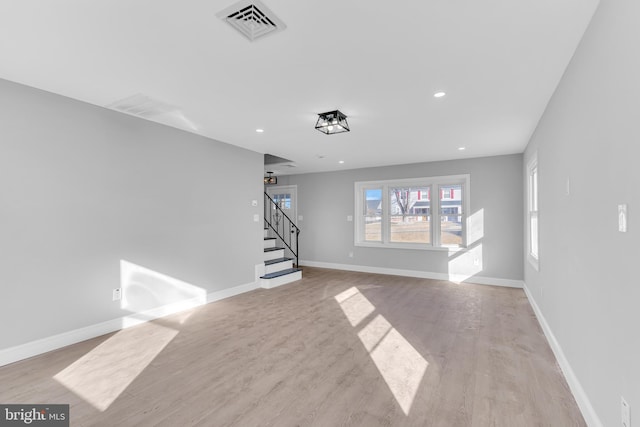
(404, 213)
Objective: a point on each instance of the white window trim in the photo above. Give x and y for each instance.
(534, 260)
(434, 182)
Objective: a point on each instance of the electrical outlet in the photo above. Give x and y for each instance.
(350, 254)
(117, 294)
(625, 412)
(476, 261)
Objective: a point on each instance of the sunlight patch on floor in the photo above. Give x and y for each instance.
(101, 375)
(354, 305)
(399, 363)
(182, 316)
(374, 332)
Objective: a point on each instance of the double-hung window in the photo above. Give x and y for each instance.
(532, 211)
(418, 213)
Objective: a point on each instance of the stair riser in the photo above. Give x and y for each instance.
(277, 267)
(282, 280)
(273, 255)
(271, 243)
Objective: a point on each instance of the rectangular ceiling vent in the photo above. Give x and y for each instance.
(142, 106)
(252, 19)
(147, 108)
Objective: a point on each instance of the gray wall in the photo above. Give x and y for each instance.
(82, 188)
(325, 200)
(587, 286)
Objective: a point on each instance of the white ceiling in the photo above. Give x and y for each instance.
(379, 62)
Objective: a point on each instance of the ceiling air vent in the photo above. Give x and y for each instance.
(252, 19)
(142, 106)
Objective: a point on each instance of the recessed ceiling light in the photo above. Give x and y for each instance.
(341, 161)
(462, 148)
(439, 94)
(259, 130)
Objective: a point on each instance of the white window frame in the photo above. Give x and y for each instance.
(434, 183)
(533, 202)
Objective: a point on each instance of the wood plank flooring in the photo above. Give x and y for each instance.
(336, 348)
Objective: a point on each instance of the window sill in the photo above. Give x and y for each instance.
(414, 246)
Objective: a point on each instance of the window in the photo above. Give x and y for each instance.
(451, 215)
(408, 222)
(402, 213)
(532, 211)
(373, 214)
(282, 200)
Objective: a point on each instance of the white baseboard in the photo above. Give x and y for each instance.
(231, 292)
(494, 281)
(588, 412)
(34, 348)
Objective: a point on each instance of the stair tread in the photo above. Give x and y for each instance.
(272, 249)
(280, 273)
(269, 238)
(277, 260)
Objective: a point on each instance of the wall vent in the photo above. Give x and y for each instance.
(252, 19)
(142, 106)
(147, 108)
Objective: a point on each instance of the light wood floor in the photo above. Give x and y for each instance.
(337, 348)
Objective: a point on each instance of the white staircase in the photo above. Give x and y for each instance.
(278, 269)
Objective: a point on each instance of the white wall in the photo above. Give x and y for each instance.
(83, 188)
(587, 287)
(326, 199)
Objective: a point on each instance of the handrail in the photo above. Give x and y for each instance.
(280, 217)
